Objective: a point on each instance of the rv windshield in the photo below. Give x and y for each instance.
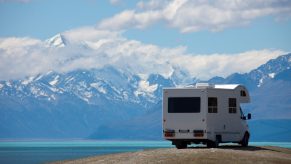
(184, 104)
(242, 114)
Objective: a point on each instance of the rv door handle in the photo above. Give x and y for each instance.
(223, 126)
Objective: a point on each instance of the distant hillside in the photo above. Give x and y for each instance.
(109, 103)
(278, 130)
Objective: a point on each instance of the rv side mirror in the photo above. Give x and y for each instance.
(249, 116)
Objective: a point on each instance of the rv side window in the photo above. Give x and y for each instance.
(243, 93)
(212, 104)
(232, 105)
(184, 105)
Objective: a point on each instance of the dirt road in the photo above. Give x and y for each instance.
(224, 154)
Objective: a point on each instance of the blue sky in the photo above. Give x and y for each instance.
(185, 27)
(44, 18)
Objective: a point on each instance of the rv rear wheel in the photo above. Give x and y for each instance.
(212, 144)
(245, 140)
(181, 145)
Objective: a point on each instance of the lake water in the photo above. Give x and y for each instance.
(46, 151)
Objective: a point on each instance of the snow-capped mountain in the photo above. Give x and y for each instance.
(259, 76)
(57, 41)
(90, 86)
(270, 88)
(269, 70)
(56, 104)
(82, 103)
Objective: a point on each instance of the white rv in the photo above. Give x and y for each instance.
(205, 113)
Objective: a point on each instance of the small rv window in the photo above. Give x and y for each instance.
(212, 104)
(232, 105)
(243, 93)
(184, 104)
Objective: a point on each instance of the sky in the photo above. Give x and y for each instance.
(202, 38)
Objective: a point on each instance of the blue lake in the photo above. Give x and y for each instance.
(48, 151)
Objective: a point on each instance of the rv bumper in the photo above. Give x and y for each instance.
(184, 134)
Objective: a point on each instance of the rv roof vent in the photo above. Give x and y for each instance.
(190, 86)
(204, 85)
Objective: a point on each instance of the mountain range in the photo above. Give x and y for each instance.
(111, 103)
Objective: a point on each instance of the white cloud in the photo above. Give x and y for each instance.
(130, 18)
(20, 57)
(191, 16)
(206, 66)
(90, 34)
(114, 2)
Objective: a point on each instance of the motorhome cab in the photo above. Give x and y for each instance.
(205, 113)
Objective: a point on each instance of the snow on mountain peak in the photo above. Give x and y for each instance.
(8, 83)
(144, 88)
(260, 82)
(27, 81)
(56, 41)
(99, 87)
(55, 80)
(272, 75)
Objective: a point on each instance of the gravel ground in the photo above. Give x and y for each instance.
(224, 154)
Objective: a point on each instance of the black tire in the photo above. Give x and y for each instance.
(245, 140)
(213, 144)
(216, 143)
(209, 144)
(181, 145)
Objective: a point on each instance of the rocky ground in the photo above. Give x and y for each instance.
(224, 154)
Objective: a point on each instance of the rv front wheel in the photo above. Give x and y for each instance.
(181, 145)
(245, 140)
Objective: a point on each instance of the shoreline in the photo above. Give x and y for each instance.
(223, 154)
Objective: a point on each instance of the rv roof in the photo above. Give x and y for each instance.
(209, 86)
(226, 86)
(217, 86)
